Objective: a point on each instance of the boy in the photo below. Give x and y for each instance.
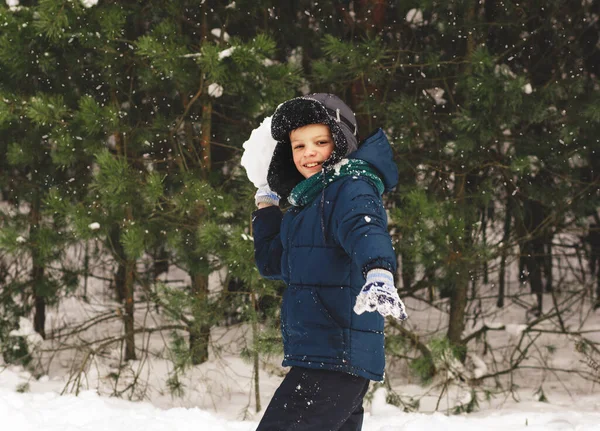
(333, 251)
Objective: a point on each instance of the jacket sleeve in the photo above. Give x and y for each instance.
(266, 223)
(360, 226)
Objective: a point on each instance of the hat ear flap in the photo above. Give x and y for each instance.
(340, 149)
(283, 176)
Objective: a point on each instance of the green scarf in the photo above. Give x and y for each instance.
(307, 190)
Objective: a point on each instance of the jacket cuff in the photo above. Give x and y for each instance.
(378, 263)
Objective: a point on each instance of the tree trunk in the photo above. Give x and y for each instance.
(206, 137)
(119, 253)
(458, 295)
(504, 251)
(408, 269)
(128, 316)
(37, 271)
(199, 332)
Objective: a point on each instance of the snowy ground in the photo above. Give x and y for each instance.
(51, 412)
(218, 395)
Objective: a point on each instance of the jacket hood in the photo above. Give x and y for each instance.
(376, 151)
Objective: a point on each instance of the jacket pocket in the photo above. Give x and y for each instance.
(311, 329)
(336, 303)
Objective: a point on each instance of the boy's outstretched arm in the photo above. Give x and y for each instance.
(362, 231)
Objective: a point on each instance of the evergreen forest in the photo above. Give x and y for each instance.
(121, 132)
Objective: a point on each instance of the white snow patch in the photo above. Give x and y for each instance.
(89, 3)
(504, 70)
(26, 330)
(94, 226)
(338, 166)
(226, 52)
(450, 148)
(437, 94)
(494, 325)
(527, 89)
(414, 16)
(379, 405)
(215, 90)
(515, 329)
(216, 32)
(479, 367)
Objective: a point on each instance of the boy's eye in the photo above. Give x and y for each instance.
(296, 147)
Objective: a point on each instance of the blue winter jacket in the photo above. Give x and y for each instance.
(323, 251)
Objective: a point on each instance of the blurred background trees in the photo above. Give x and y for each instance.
(121, 131)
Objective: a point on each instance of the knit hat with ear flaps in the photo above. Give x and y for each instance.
(318, 108)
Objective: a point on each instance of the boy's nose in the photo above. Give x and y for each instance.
(310, 151)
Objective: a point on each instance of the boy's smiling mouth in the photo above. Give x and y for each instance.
(312, 164)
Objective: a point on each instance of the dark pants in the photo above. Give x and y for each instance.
(316, 400)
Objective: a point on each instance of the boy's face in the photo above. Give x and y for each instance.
(311, 146)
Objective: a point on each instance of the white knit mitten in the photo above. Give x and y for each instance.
(266, 195)
(380, 294)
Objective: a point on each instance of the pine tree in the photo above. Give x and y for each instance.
(146, 107)
(40, 152)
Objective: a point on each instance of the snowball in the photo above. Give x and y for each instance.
(215, 90)
(258, 150)
(21, 240)
(94, 226)
(89, 3)
(527, 88)
(12, 3)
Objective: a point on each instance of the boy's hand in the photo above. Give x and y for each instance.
(380, 294)
(265, 196)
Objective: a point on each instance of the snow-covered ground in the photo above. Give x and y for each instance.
(50, 411)
(72, 390)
